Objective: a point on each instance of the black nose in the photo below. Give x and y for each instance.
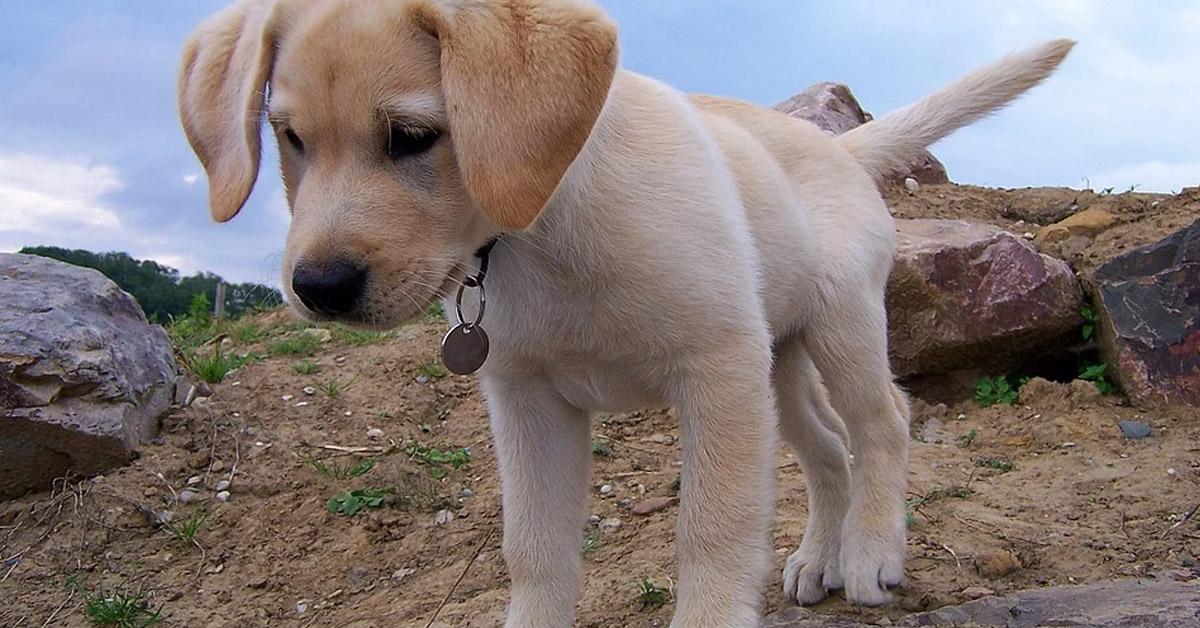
(329, 289)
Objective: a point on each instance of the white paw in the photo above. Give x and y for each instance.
(871, 565)
(811, 573)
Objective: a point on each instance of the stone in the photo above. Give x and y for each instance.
(223, 496)
(651, 505)
(966, 295)
(610, 525)
(997, 564)
(1134, 430)
(1087, 223)
(1148, 300)
(223, 485)
(85, 379)
(834, 109)
(975, 593)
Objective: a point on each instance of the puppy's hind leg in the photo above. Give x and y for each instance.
(817, 435)
(542, 450)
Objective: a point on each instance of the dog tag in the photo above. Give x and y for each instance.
(464, 349)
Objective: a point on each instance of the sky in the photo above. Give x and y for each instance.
(92, 154)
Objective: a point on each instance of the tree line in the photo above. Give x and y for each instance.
(163, 294)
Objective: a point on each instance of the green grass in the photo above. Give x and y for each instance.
(961, 491)
(676, 484)
(966, 440)
(350, 503)
(334, 389)
(248, 332)
(300, 344)
(357, 337)
(1003, 466)
(185, 530)
(305, 367)
(116, 609)
(436, 459)
(213, 367)
(432, 370)
(601, 448)
(651, 595)
(591, 543)
(1098, 375)
(335, 470)
(990, 391)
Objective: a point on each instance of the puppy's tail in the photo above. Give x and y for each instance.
(887, 145)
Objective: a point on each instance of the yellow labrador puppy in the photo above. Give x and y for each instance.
(654, 248)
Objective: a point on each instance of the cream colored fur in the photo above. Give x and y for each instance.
(657, 248)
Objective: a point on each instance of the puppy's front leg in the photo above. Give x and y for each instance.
(542, 449)
(728, 430)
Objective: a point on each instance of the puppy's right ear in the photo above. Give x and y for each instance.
(227, 63)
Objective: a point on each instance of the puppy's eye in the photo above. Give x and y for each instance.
(294, 140)
(406, 141)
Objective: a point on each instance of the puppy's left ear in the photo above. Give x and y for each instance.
(524, 83)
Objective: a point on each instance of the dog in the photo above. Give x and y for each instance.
(645, 248)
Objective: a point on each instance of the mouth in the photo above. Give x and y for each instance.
(395, 306)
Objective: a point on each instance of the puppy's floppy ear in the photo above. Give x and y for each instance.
(227, 62)
(524, 82)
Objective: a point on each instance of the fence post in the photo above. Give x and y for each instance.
(219, 302)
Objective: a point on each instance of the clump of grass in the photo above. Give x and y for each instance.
(967, 440)
(357, 337)
(350, 503)
(601, 448)
(305, 367)
(591, 543)
(335, 470)
(990, 391)
(432, 370)
(300, 344)
(676, 485)
(435, 459)
(650, 594)
(248, 332)
(116, 609)
(334, 389)
(1003, 466)
(185, 530)
(960, 491)
(1098, 375)
(214, 367)
(435, 313)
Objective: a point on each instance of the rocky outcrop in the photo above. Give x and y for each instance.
(1126, 604)
(832, 107)
(84, 378)
(1149, 305)
(972, 296)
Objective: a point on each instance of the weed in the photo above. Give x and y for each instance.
(910, 511)
(1090, 318)
(1003, 466)
(456, 457)
(961, 491)
(432, 370)
(650, 594)
(247, 333)
(966, 440)
(118, 609)
(676, 485)
(213, 368)
(185, 531)
(591, 543)
(435, 313)
(302, 344)
(349, 503)
(1097, 374)
(990, 391)
(305, 367)
(357, 337)
(601, 448)
(339, 471)
(334, 389)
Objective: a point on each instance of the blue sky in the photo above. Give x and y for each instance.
(92, 155)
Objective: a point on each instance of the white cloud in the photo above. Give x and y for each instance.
(191, 179)
(44, 195)
(1151, 176)
(178, 262)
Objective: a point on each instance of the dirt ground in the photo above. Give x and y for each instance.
(1044, 492)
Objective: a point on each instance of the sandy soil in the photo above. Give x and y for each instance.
(1043, 492)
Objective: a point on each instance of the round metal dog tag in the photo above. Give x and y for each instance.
(464, 349)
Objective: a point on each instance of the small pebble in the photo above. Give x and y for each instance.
(194, 480)
(301, 607)
(401, 574)
(223, 485)
(223, 496)
(150, 492)
(610, 525)
(1134, 430)
(186, 496)
(288, 397)
(309, 390)
(443, 517)
(374, 433)
(348, 413)
(606, 489)
(301, 404)
(594, 520)
(158, 442)
(359, 573)
(466, 492)
(652, 505)
(662, 439)
(423, 379)
(1172, 472)
(911, 184)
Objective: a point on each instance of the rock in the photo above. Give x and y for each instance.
(308, 390)
(223, 496)
(997, 564)
(401, 574)
(975, 593)
(150, 492)
(1087, 223)
(1149, 329)
(465, 493)
(610, 525)
(1134, 430)
(606, 489)
(223, 485)
(594, 520)
(359, 573)
(443, 517)
(194, 480)
(84, 378)
(911, 184)
(186, 496)
(932, 431)
(833, 108)
(965, 295)
(651, 505)
(374, 433)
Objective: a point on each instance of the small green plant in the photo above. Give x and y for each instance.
(676, 484)
(990, 391)
(248, 332)
(1098, 375)
(456, 457)
(591, 543)
(340, 471)
(213, 367)
(334, 389)
(185, 530)
(357, 337)
(305, 367)
(432, 370)
(650, 594)
(1003, 466)
(601, 448)
(116, 609)
(966, 440)
(435, 313)
(961, 491)
(302, 344)
(1090, 318)
(350, 503)
(910, 511)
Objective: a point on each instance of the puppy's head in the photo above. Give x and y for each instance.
(409, 131)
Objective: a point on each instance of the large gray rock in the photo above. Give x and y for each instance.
(84, 378)
(1125, 604)
(833, 107)
(967, 295)
(1149, 305)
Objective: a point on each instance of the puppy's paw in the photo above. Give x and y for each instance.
(812, 572)
(871, 566)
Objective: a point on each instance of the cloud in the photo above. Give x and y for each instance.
(44, 195)
(191, 179)
(1151, 176)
